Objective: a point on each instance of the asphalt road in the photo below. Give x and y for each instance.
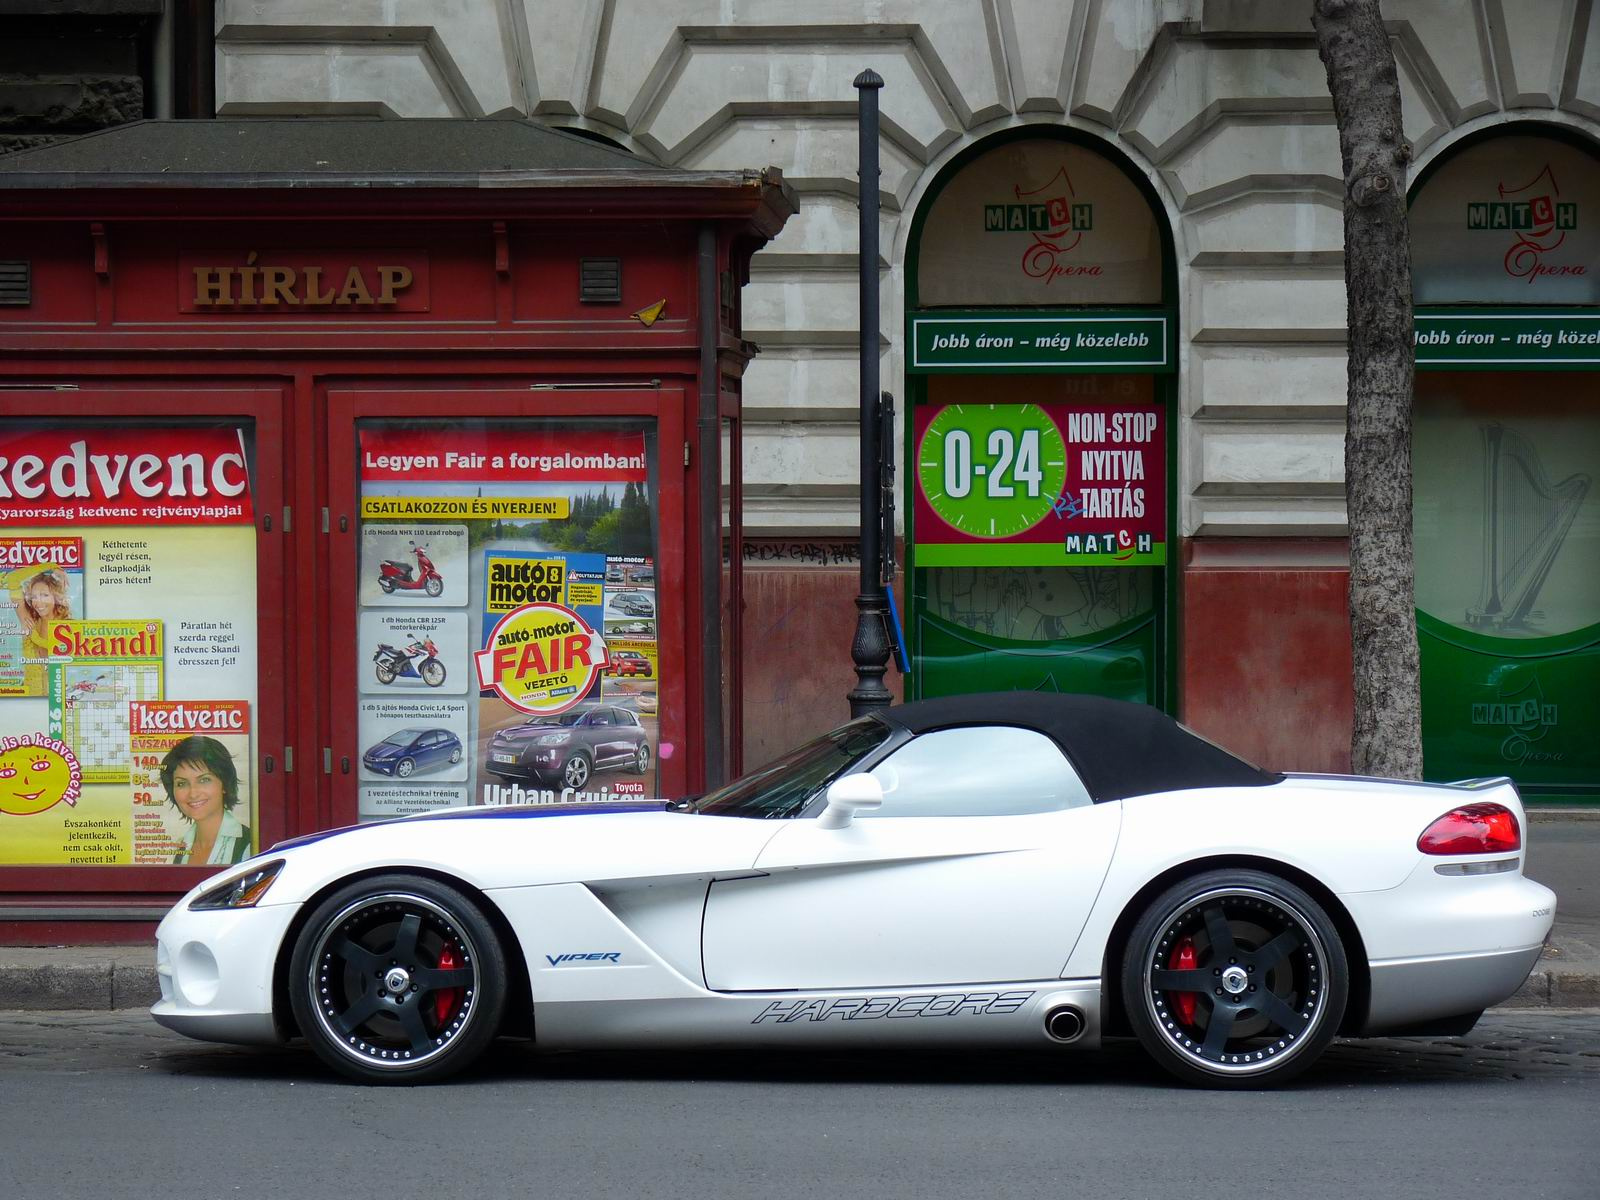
(108, 1105)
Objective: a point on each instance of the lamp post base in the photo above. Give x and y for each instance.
(870, 650)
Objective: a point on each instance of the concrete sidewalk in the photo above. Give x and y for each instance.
(1563, 853)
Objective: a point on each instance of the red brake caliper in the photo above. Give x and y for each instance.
(1183, 959)
(445, 1002)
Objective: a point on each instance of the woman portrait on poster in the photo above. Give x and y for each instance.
(203, 785)
(40, 600)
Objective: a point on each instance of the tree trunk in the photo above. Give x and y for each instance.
(1355, 49)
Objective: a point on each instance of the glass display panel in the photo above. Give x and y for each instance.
(1507, 534)
(1511, 220)
(1064, 628)
(507, 626)
(1039, 222)
(128, 654)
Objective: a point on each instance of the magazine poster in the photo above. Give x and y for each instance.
(42, 578)
(128, 558)
(189, 780)
(553, 522)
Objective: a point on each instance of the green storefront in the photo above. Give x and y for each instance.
(1039, 443)
(1506, 267)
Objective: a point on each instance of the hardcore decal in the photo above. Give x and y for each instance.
(868, 1008)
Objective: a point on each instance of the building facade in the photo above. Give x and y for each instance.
(1209, 120)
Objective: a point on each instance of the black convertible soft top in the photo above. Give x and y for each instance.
(1119, 749)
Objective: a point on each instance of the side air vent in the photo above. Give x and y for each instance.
(600, 281)
(16, 283)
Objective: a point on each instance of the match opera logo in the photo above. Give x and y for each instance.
(1538, 221)
(1056, 221)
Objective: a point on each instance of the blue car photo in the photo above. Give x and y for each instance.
(407, 752)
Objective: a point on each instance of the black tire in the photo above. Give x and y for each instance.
(433, 586)
(575, 772)
(385, 673)
(403, 768)
(641, 758)
(432, 672)
(455, 756)
(387, 586)
(1280, 980)
(398, 979)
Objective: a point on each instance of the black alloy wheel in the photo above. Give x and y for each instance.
(1235, 979)
(398, 979)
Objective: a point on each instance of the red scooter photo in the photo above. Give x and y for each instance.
(396, 576)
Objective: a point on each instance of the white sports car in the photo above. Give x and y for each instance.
(1017, 870)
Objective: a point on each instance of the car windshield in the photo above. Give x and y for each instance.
(784, 786)
(401, 737)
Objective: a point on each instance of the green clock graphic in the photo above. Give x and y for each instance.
(992, 470)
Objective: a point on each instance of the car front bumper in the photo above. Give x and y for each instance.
(216, 969)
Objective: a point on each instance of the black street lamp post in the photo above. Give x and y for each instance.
(870, 648)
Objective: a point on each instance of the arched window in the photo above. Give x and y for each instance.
(1040, 332)
(1506, 458)
(1039, 221)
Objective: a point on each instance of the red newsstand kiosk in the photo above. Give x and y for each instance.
(350, 469)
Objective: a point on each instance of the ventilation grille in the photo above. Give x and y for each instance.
(16, 283)
(600, 281)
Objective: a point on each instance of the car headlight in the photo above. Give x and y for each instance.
(553, 739)
(242, 891)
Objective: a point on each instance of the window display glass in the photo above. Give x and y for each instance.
(1020, 624)
(1510, 220)
(128, 642)
(1508, 551)
(507, 627)
(1039, 221)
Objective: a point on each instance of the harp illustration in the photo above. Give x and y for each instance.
(1525, 522)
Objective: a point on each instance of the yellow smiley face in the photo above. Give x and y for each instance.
(34, 779)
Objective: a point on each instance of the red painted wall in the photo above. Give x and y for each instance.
(799, 621)
(1265, 642)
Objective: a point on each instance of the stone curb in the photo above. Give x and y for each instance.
(101, 979)
(77, 978)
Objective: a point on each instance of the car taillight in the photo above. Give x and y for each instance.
(1472, 829)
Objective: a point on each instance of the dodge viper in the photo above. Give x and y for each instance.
(1012, 870)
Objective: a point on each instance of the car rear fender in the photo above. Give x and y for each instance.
(1350, 835)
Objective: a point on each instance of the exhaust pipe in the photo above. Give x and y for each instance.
(1065, 1024)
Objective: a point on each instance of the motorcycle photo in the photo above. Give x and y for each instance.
(394, 575)
(419, 660)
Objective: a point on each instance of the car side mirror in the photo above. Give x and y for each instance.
(848, 796)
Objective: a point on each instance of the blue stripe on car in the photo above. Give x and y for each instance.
(508, 812)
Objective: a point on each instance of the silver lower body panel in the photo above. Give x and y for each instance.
(1001, 1015)
(1408, 991)
(247, 1029)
